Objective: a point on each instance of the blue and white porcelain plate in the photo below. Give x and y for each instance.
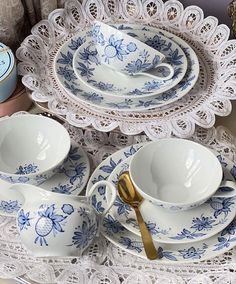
(89, 69)
(175, 227)
(70, 179)
(115, 232)
(77, 90)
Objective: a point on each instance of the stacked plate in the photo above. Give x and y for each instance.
(184, 236)
(81, 72)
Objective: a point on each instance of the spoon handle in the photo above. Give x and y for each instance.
(149, 247)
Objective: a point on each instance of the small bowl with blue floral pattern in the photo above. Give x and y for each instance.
(127, 54)
(32, 148)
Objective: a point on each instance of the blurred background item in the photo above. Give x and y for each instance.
(8, 74)
(18, 16)
(19, 101)
(232, 14)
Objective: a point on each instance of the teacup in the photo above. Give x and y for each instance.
(178, 174)
(32, 148)
(127, 54)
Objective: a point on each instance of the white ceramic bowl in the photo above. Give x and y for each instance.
(125, 53)
(32, 147)
(176, 174)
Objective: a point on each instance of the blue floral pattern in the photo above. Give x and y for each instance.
(48, 222)
(131, 245)
(67, 209)
(70, 178)
(9, 206)
(193, 253)
(66, 58)
(200, 250)
(66, 76)
(97, 205)
(39, 179)
(75, 43)
(89, 70)
(62, 188)
(113, 46)
(23, 220)
(112, 225)
(227, 236)
(141, 65)
(27, 169)
(22, 171)
(75, 168)
(198, 228)
(84, 234)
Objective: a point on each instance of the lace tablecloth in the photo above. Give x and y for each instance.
(211, 95)
(104, 262)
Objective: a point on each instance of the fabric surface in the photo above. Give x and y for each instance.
(18, 16)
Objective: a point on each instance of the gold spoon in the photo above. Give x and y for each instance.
(130, 196)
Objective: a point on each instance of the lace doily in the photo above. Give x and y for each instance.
(104, 262)
(211, 96)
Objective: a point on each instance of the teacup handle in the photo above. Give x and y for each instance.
(112, 190)
(227, 189)
(151, 73)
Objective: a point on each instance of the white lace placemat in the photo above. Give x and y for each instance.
(211, 96)
(103, 262)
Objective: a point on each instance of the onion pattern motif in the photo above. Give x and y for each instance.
(49, 222)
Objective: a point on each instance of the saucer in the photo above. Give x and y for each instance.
(77, 90)
(89, 69)
(70, 179)
(167, 226)
(116, 233)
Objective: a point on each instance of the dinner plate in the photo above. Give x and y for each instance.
(77, 90)
(70, 179)
(167, 226)
(115, 232)
(89, 69)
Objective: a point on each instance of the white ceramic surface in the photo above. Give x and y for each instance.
(176, 174)
(113, 230)
(80, 92)
(89, 69)
(8, 73)
(70, 179)
(52, 224)
(126, 54)
(32, 147)
(165, 226)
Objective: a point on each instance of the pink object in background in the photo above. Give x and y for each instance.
(19, 101)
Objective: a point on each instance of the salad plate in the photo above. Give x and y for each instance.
(116, 233)
(78, 91)
(89, 69)
(167, 226)
(71, 178)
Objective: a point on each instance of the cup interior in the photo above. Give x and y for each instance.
(31, 144)
(175, 171)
